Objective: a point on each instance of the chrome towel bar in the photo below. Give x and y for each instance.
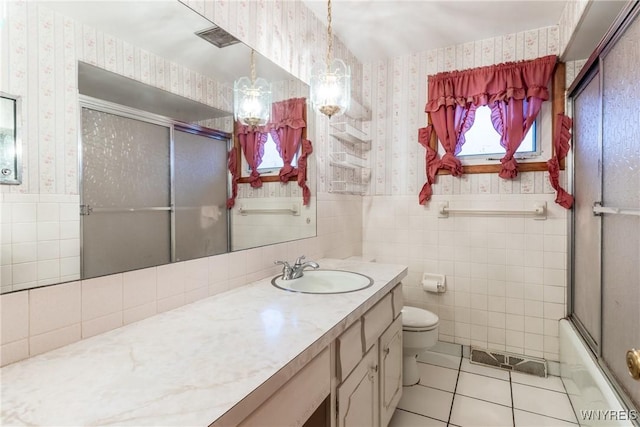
(539, 211)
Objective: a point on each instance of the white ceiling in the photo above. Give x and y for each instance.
(378, 29)
(371, 29)
(166, 28)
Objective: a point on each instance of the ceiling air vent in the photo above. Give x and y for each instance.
(217, 36)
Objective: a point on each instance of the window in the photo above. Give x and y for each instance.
(482, 140)
(271, 160)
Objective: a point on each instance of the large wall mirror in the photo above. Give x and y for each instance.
(186, 102)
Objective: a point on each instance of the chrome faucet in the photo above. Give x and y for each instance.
(296, 271)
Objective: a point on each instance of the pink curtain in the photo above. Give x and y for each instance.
(287, 125)
(513, 90)
(252, 145)
(232, 163)
(561, 137)
(432, 166)
(252, 142)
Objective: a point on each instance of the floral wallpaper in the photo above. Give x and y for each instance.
(396, 89)
(569, 20)
(44, 50)
(290, 35)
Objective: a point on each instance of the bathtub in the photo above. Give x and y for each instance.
(594, 401)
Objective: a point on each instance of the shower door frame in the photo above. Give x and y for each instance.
(173, 125)
(594, 72)
(594, 65)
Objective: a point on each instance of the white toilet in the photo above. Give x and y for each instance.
(419, 332)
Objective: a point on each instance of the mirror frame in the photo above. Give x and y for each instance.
(14, 176)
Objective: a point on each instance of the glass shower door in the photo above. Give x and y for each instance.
(621, 189)
(125, 193)
(201, 223)
(586, 226)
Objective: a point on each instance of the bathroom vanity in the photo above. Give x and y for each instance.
(255, 355)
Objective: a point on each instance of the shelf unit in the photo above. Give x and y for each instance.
(359, 112)
(347, 160)
(348, 133)
(345, 187)
(350, 171)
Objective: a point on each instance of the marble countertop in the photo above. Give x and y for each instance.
(192, 365)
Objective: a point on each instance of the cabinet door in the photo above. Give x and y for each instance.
(358, 394)
(390, 370)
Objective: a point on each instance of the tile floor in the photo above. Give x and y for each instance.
(453, 392)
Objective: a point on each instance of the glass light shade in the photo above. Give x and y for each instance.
(331, 88)
(252, 101)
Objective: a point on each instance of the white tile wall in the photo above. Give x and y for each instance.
(505, 288)
(258, 230)
(41, 319)
(40, 240)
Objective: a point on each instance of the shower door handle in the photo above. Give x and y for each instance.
(633, 363)
(598, 210)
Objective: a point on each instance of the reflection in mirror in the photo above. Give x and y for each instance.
(10, 142)
(152, 190)
(156, 46)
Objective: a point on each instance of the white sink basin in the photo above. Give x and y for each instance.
(324, 282)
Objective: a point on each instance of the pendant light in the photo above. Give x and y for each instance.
(330, 81)
(252, 98)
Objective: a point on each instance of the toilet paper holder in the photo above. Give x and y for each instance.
(434, 282)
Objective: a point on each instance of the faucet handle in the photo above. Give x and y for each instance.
(285, 263)
(299, 260)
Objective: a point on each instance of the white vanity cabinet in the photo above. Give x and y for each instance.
(369, 365)
(390, 370)
(357, 396)
(295, 402)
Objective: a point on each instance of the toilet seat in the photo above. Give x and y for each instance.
(417, 320)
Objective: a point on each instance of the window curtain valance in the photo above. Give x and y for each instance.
(286, 128)
(486, 85)
(514, 91)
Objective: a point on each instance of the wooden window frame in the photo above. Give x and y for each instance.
(558, 87)
(264, 178)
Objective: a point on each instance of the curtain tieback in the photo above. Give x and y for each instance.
(452, 163)
(254, 179)
(287, 172)
(509, 168)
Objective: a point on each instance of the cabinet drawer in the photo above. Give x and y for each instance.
(376, 320)
(349, 349)
(398, 300)
(295, 402)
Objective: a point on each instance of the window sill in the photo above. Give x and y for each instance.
(495, 168)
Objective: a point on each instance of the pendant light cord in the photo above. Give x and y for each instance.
(329, 35)
(253, 68)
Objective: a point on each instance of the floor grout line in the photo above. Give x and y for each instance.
(511, 391)
(546, 416)
(513, 411)
(484, 400)
(419, 414)
(455, 389)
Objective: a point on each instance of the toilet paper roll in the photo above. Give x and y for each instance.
(430, 285)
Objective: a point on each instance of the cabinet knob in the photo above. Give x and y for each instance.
(373, 370)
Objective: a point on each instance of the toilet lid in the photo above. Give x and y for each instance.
(417, 319)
